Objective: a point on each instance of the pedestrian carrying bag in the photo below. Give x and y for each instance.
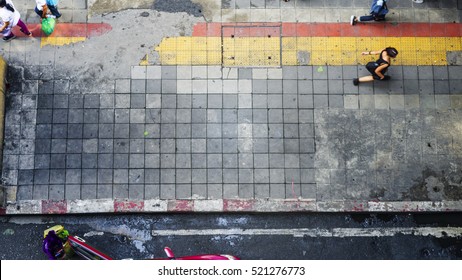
(52, 2)
(48, 25)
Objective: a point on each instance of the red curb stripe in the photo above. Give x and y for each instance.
(332, 29)
(54, 207)
(180, 206)
(234, 205)
(128, 206)
(68, 30)
(2, 211)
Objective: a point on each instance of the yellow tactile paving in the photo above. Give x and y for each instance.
(275, 51)
(60, 41)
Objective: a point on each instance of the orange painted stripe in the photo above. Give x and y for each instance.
(332, 29)
(68, 30)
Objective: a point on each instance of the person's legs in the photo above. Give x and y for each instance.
(366, 18)
(356, 81)
(355, 19)
(24, 28)
(366, 79)
(54, 11)
(38, 12)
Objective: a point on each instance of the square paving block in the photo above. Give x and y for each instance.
(335, 101)
(215, 176)
(136, 176)
(72, 192)
(120, 191)
(245, 86)
(151, 191)
(321, 101)
(275, 101)
(304, 72)
(138, 72)
(214, 191)
(104, 191)
(246, 190)
(441, 86)
(88, 191)
(153, 72)
(152, 176)
(455, 86)
(411, 87)
(426, 87)
(410, 72)
(136, 191)
(169, 86)
(230, 86)
(258, 86)
(168, 73)
(245, 73)
(137, 101)
(335, 72)
(440, 72)
(154, 86)
(274, 86)
(442, 101)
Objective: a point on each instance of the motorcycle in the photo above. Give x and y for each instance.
(58, 244)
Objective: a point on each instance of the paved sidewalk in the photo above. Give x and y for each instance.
(104, 117)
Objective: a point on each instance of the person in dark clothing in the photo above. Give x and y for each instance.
(378, 68)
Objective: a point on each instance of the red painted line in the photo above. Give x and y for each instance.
(372, 29)
(180, 206)
(68, 30)
(128, 206)
(2, 211)
(233, 205)
(54, 207)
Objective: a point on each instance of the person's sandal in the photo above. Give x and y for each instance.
(355, 81)
(353, 20)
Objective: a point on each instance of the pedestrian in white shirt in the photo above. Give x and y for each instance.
(10, 17)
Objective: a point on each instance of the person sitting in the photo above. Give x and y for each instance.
(377, 13)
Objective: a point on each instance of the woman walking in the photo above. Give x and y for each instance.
(379, 67)
(10, 17)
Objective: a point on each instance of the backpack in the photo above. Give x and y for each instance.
(379, 8)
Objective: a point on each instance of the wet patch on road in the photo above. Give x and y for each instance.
(178, 6)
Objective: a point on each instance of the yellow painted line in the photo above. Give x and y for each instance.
(60, 41)
(263, 51)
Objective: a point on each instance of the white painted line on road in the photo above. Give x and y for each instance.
(437, 232)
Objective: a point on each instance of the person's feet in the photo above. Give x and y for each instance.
(28, 33)
(353, 20)
(386, 78)
(9, 37)
(355, 81)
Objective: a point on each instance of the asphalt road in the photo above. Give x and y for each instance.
(264, 236)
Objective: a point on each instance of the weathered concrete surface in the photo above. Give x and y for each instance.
(99, 7)
(93, 65)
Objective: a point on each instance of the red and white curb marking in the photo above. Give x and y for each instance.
(221, 205)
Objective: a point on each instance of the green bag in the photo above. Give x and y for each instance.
(48, 25)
